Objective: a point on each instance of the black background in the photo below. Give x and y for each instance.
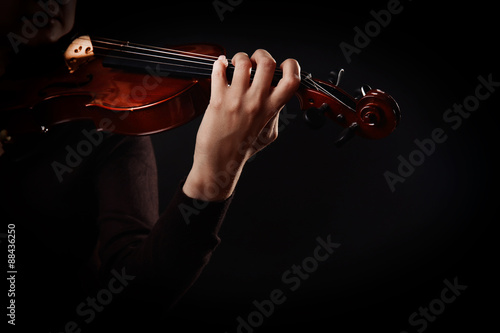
(396, 248)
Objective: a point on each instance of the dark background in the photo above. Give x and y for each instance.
(396, 248)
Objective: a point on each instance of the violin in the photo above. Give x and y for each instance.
(136, 89)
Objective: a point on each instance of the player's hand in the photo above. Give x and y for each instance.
(241, 119)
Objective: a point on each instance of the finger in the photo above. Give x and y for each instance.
(288, 84)
(265, 67)
(242, 68)
(219, 79)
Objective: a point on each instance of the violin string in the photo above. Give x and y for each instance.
(161, 63)
(125, 47)
(183, 56)
(306, 81)
(189, 68)
(160, 50)
(156, 56)
(142, 54)
(305, 76)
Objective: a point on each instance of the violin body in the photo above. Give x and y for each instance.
(134, 89)
(122, 101)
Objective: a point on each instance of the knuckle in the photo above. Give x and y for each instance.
(291, 65)
(240, 54)
(262, 53)
(264, 58)
(242, 59)
(267, 63)
(292, 62)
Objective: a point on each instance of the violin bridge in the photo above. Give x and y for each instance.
(80, 51)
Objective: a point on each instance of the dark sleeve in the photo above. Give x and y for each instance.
(163, 253)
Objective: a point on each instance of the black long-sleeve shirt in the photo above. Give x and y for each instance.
(90, 242)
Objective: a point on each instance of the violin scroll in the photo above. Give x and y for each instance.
(378, 114)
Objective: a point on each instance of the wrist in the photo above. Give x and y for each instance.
(209, 184)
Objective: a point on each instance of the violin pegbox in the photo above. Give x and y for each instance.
(79, 52)
(373, 115)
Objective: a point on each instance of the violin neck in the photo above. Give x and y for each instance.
(172, 69)
(161, 61)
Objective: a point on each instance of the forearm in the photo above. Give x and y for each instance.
(177, 249)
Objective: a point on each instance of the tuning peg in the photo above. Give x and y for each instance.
(336, 76)
(365, 89)
(346, 135)
(362, 91)
(315, 117)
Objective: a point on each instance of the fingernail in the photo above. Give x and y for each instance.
(223, 59)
